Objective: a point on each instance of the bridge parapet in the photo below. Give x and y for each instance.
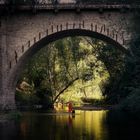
(67, 5)
(69, 1)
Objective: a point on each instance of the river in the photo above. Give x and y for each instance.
(84, 125)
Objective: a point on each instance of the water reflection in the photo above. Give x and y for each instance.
(84, 125)
(8, 130)
(81, 126)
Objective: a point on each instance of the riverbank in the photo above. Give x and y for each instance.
(90, 107)
(6, 116)
(16, 114)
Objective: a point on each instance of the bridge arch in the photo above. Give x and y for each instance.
(16, 71)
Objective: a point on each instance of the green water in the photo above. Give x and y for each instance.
(84, 125)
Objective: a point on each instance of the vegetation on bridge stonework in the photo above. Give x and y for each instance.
(110, 1)
(130, 83)
(77, 1)
(78, 69)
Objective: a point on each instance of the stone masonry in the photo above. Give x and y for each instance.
(21, 33)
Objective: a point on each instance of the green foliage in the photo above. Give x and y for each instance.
(108, 1)
(93, 101)
(14, 115)
(129, 87)
(131, 103)
(26, 99)
(74, 66)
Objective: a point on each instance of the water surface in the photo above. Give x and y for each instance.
(84, 125)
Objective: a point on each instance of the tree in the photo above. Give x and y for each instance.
(73, 63)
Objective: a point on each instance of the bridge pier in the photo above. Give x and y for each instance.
(7, 102)
(7, 96)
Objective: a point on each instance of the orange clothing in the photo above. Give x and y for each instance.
(69, 107)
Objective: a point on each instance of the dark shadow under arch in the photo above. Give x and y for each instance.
(17, 70)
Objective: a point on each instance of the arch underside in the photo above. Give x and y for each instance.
(19, 67)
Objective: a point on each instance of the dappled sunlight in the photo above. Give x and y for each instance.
(83, 125)
(77, 69)
(92, 122)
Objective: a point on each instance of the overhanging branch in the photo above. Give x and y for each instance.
(69, 84)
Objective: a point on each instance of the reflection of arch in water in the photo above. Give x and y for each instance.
(19, 67)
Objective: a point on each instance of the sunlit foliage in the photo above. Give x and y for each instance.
(77, 68)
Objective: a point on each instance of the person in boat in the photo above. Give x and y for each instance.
(70, 108)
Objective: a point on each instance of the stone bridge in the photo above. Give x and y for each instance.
(23, 33)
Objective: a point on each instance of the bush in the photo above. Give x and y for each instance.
(26, 99)
(93, 101)
(131, 103)
(15, 115)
